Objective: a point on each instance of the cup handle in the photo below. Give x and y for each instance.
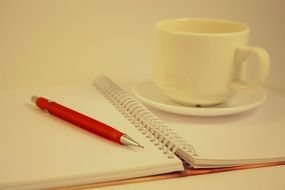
(241, 55)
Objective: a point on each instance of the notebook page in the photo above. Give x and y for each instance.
(41, 150)
(250, 137)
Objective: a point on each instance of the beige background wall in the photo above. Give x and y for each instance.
(54, 42)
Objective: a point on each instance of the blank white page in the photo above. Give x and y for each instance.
(250, 137)
(39, 150)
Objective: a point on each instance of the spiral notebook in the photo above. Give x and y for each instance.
(39, 151)
(204, 151)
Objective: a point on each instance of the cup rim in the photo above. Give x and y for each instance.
(245, 28)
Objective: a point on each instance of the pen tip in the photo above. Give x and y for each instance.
(138, 145)
(126, 140)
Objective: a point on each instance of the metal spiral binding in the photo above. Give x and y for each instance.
(145, 121)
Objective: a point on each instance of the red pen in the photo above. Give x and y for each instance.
(84, 121)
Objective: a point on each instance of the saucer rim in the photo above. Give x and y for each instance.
(198, 111)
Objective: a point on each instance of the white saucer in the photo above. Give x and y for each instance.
(242, 101)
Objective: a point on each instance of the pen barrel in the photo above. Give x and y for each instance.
(80, 120)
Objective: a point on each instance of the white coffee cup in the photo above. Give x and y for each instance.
(202, 61)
